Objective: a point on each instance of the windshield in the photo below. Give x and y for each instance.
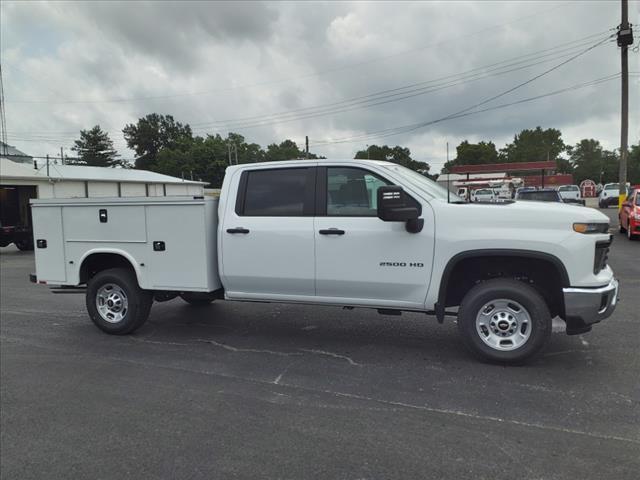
(612, 186)
(568, 189)
(539, 196)
(423, 183)
(637, 199)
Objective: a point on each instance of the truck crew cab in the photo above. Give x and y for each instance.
(352, 233)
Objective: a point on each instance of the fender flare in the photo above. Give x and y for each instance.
(491, 252)
(114, 251)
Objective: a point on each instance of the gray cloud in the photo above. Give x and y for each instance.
(242, 59)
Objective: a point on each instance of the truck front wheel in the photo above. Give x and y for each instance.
(115, 302)
(504, 320)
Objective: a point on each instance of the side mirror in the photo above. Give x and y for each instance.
(392, 207)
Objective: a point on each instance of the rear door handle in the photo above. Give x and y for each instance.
(331, 231)
(237, 230)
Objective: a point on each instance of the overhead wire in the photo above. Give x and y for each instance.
(519, 85)
(408, 128)
(376, 101)
(395, 94)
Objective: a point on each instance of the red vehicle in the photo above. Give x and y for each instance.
(629, 215)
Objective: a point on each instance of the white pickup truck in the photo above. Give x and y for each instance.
(351, 233)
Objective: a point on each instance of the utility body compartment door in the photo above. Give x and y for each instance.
(177, 251)
(49, 244)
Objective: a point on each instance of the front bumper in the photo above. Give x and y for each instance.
(586, 306)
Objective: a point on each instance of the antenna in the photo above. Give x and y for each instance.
(3, 119)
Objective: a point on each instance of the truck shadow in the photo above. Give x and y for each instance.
(290, 328)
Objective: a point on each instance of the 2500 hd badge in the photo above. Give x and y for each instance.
(402, 264)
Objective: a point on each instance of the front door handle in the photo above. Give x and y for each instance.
(237, 230)
(331, 231)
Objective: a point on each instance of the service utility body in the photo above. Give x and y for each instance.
(350, 233)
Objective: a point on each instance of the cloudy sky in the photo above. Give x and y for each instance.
(346, 74)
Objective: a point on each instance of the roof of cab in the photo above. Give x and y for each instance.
(303, 161)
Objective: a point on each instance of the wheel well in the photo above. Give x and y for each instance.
(541, 272)
(96, 262)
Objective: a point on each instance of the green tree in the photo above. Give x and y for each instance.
(591, 161)
(397, 154)
(287, 150)
(95, 149)
(534, 146)
(153, 133)
(474, 154)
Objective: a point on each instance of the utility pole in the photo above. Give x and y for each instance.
(232, 147)
(306, 146)
(61, 157)
(625, 38)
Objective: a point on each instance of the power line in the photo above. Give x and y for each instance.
(505, 92)
(376, 101)
(384, 96)
(408, 128)
(464, 77)
(512, 61)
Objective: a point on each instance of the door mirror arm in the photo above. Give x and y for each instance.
(392, 207)
(415, 225)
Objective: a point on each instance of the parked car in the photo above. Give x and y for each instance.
(541, 195)
(463, 192)
(345, 233)
(609, 195)
(483, 195)
(524, 189)
(629, 215)
(570, 194)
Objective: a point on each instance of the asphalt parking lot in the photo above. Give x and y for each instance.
(284, 391)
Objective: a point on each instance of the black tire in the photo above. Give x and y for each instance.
(621, 228)
(510, 290)
(24, 245)
(601, 205)
(630, 235)
(197, 299)
(137, 301)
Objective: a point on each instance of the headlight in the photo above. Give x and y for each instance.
(591, 227)
(636, 216)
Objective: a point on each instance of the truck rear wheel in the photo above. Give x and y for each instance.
(504, 320)
(115, 302)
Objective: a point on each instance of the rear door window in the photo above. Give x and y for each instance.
(283, 192)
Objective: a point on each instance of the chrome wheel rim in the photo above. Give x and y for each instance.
(112, 303)
(503, 324)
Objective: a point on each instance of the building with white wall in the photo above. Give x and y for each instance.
(72, 181)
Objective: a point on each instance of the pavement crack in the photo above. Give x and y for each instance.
(334, 355)
(157, 342)
(279, 377)
(247, 350)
